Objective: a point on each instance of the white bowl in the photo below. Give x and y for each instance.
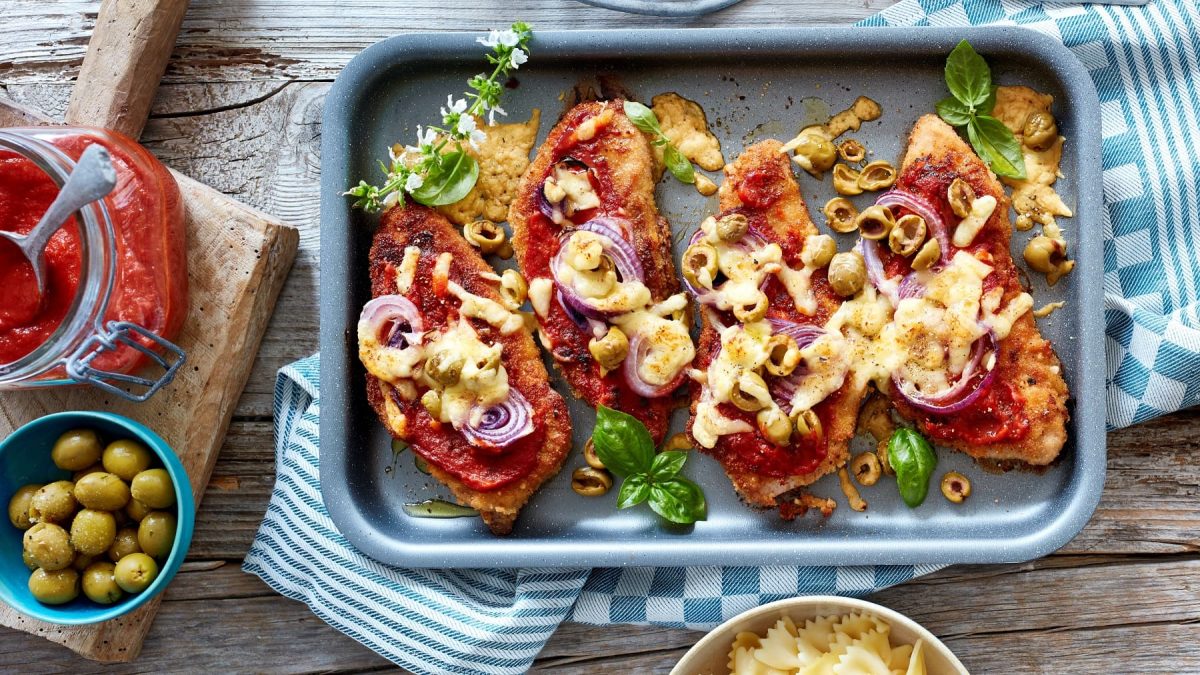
(711, 654)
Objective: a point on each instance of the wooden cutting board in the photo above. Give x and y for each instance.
(238, 259)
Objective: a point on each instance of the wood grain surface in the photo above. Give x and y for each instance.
(241, 110)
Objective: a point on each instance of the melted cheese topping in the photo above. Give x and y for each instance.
(670, 347)
(407, 269)
(483, 382)
(598, 284)
(541, 290)
(981, 210)
(485, 309)
(930, 337)
(746, 268)
(1034, 196)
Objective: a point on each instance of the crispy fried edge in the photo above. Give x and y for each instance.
(1038, 370)
(497, 508)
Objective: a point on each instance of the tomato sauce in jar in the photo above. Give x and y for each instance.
(123, 261)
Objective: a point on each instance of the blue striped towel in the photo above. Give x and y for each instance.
(1144, 64)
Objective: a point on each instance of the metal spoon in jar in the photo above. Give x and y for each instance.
(93, 178)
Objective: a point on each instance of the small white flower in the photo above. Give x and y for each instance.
(517, 58)
(424, 137)
(413, 182)
(508, 38)
(492, 115)
(492, 39)
(466, 124)
(476, 138)
(396, 156)
(391, 200)
(455, 106)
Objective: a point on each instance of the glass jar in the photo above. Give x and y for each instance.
(116, 274)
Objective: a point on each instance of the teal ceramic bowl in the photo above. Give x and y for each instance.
(25, 458)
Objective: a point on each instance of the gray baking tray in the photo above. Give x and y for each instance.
(754, 84)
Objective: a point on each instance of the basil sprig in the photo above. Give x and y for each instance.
(970, 104)
(625, 447)
(644, 119)
(913, 460)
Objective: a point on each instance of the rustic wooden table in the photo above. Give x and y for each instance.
(241, 109)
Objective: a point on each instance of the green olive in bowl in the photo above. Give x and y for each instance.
(18, 506)
(100, 583)
(49, 546)
(156, 534)
(53, 503)
(76, 450)
(92, 531)
(126, 458)
(102, 491)
(54, 587)
(153, 488)
(135, 572)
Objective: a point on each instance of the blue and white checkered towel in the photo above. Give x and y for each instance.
(1144, 64)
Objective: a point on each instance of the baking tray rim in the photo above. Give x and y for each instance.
(1090, 448)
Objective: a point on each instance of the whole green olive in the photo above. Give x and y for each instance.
(53, 503)
(18, 506)
(100, 583)
(847, 273)
(818, 250)
(153, 488)
(102, 491)
(93, 531)
(135, 572)
(732, 227)
(28, 560)
(49, 546)
(156, 534)
(126, 458)
(124, 543)
(75, 450)
(137, 510)
(54, 587)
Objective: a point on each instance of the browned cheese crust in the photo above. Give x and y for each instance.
(429, 231)
(1026, 359)
(788, 219)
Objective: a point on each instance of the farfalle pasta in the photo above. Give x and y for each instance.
(849, 644)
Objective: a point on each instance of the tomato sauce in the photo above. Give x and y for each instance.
(998, 415)
(150, 287)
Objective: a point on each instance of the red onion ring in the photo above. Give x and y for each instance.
(501, 424)
(593, 326)
(962, 393)
(394, 320)
(638, 348)
(921, 207)
(620, 251)
(869, 249)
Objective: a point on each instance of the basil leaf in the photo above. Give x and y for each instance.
(449, 180)
(953, 112)
(997, 146)
(643, 118)
(679, 500)
(634, 491)
(913, 460)
(989, 104)
(622, 442)
(968, 76)
(667, 464)
(678, 165)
